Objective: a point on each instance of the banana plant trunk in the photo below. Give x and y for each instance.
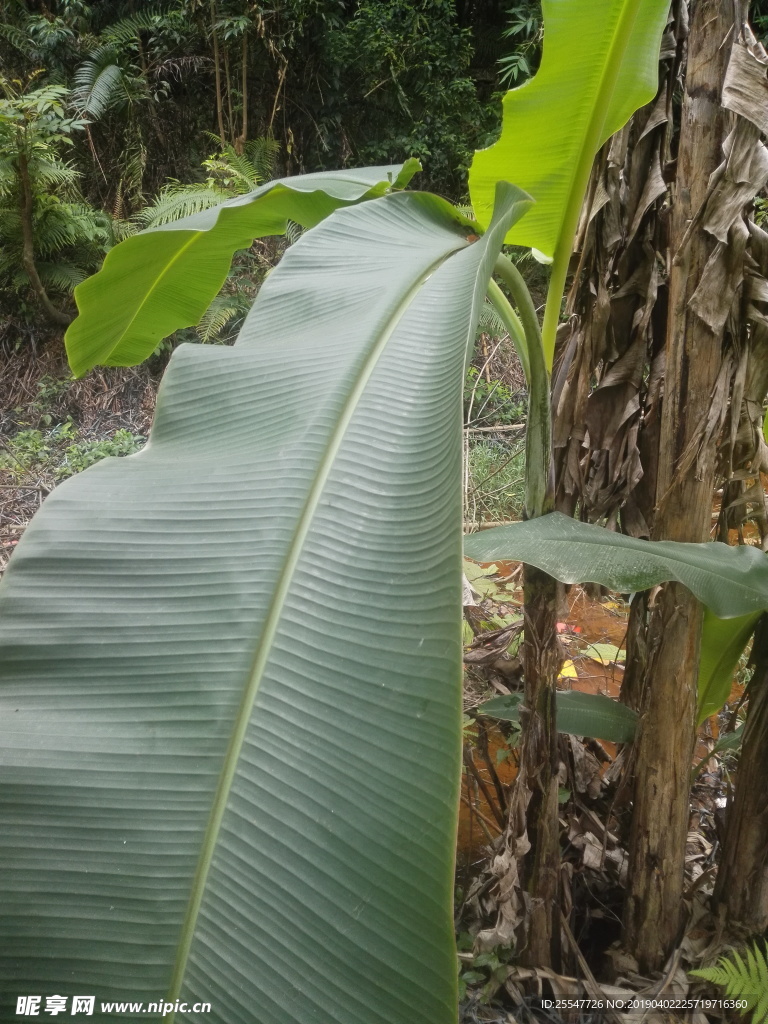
(684, 486)
(537, 781)
(741, 892)
(533, 830)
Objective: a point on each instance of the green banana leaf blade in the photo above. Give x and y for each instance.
(730, 581)
(164, 278)
(230, 665)
(600, 63)
(722, 644)
(580, 714)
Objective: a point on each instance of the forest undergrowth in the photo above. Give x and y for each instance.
(52, 426)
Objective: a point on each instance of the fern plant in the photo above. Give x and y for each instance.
(99, 82)
(50, 237)
(744, 978)
(490, 322)
(230, 174)
(225, 315)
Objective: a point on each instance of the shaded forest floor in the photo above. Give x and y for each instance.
(595, 824)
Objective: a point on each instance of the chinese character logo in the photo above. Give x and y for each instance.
(83, 1004)
(28, 1006)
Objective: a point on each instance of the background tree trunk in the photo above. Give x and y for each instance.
(28, 245)
(217, 72)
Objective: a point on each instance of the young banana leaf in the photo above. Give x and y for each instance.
(731, 581)
(230, 665)
(600, 63)
(165, 278)
(722, 645)
(581, 714)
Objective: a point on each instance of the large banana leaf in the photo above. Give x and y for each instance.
(731, 581)
(164, 278)
(230, 664)
(600, 63)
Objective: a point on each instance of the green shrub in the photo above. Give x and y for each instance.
(490, 402)
(61, 451)
(495, 477)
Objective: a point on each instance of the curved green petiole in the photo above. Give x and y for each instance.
(513, 324)
(538, 434)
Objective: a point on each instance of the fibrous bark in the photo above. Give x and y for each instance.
(741, 892)
(668, 316)
(537, 780)
(693, 361)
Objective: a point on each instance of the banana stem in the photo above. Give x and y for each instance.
(539, 482)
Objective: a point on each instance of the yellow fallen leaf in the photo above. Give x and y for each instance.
(568, 671)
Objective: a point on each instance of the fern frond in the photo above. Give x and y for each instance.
(17, 37)
(239, 173)
(177, 201)
(293, 231)
(133, 166)
(490, 322)
(214, 321)
(53, 173)
(234, 171)
(743, 977)
(10, 242)
(10, 222)
(222, 311)
(59, 225)
(230, 174)
(178, 67)
(127, 30)
(121, 229)
(8, 176)
(263, 153)
(62, 276)
(98, 83)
